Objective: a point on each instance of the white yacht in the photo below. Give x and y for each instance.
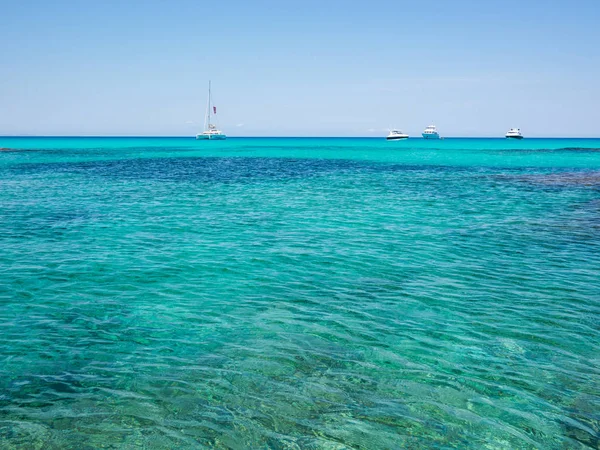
(514, 133)
(396, 135)
(431, 133)
(211, 132)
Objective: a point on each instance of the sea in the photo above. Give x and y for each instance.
(299, 293)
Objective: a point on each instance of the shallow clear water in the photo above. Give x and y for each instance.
(299, 293)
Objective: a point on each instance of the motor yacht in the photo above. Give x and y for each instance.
(514, 133)
(396, 135)
(431, 133)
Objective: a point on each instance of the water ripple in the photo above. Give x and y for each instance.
(245, 302)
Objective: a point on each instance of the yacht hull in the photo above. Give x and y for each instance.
(399, 138)
(514, 137)
(431, 136)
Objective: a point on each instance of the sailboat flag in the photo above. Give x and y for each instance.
(214, 109)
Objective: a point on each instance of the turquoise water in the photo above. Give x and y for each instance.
(299, 293)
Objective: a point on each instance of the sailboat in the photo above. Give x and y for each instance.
(210, 130)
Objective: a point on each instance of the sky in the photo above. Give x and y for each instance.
(300, 68)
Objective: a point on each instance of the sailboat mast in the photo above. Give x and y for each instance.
(207, 115)
(209, 101)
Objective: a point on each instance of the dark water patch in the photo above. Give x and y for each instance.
(582, 428)
(581, 178)
(216, 169)
(231, 169)
(543, 150)
(579, 149)
(208, 169)
(95, 152)
(553, 178)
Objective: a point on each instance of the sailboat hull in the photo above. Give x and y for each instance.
(210, 137)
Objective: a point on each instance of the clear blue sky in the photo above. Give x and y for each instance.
(338, 68)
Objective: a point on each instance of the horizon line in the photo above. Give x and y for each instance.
(278, 137)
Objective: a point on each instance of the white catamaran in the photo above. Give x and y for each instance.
(210, 130)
